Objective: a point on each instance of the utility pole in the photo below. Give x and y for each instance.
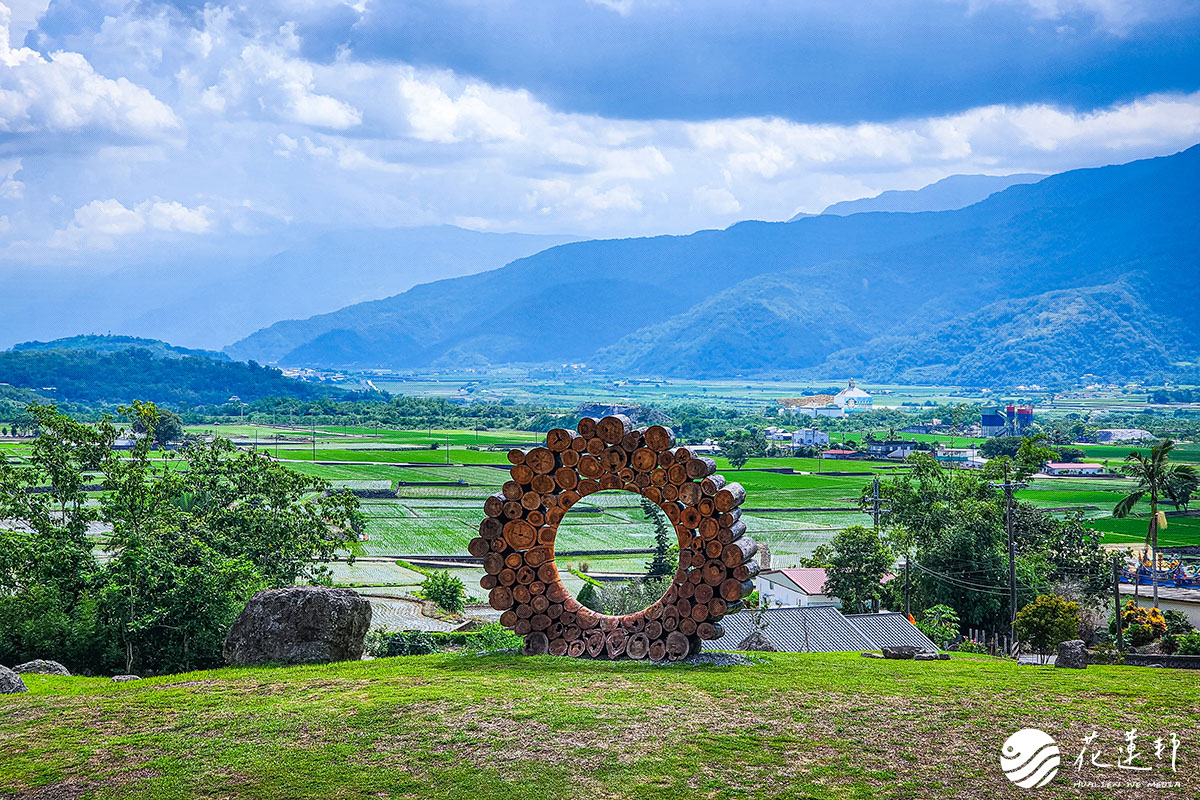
(907, 604)
(1009, 486)
(1117, 601)
(877, 503)
(314, 441)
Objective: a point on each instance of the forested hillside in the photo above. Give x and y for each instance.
(1090, 271)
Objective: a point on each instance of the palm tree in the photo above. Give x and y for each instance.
(1156, 478)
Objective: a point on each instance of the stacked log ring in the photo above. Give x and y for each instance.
(516, 542)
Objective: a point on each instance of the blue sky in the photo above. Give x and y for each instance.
(134, 125)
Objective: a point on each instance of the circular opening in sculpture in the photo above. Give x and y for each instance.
(517, 542)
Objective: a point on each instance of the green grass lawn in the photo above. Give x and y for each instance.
(461, 726)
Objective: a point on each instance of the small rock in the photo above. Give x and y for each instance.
(925, 656)
(42, 667)
(125, 678)
(1071, 655)
(943, 656)
(11, 683)
(756, 641)
(904, 652)
(870, 655)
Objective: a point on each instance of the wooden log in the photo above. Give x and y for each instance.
(587, 486)
(615, 643)
(659, 438)
(671, 510)
(507, 577)
(540, 622)
(681, 454)
(670, 492)
(717, 608)
(577, 648)
(658, 650)
(712, 549)
(614, 459)
(545, 535)
(488, 582)
(519, 534)
(610, 481)
(541, 460)
(531, 501)
(508, 618)
(697, 468)
(499, 545)
(732, 589)
(513, 560)
(689, 493)
(612, 429)
(678, 646)
(729, 497)
(547, 573)
(643, 459)
(703, 594)
(521, 594)
(579, 444)
(544, 484)
(566, 478)
(732, 533)
(713, 572)
(626, 475)
(705, 507)
(493, 506)
(709, 631)
(513, 510)
(712, 484)
(670, 623)
(558, 647)
(594, 642)
(537, 587)
(653, 494)
(596, 446)
(490, 528)
(568, 498)
(737, 553)
(512, 490)
(677, 473)
(500, 598)
(493, 563)
(572, 632)
(526, 575)
(570, 458)
(658, 476)
(522, 474)
(536, 644)
(631, 441)
(590, 467)
(695, 577)
(634, 623)
(699, 612)
(558, 440)
(687, 626)
(654, 629)
(689, 517)
(557, 592)
(638, 646)
(524, 611)
(586, 427)
(709, 528)
(727, 518)
(747, 571)
(686, 590)
(666, 458)
(554, 611)
(536, 518)
(516, 456)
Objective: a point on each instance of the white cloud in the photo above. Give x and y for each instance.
(100, 223)
(65, 95)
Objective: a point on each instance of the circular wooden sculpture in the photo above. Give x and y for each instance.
(516, 542)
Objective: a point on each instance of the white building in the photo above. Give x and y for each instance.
(1066, 468)
(852, 398)
(810, 437)
(802, 586)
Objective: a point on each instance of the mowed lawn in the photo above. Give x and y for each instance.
(462, 726)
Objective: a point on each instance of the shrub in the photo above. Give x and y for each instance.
(1177, 622)
(1133, 614)
(940, 624)
(409, 643)
(971, 646)
(491, 638)
(1106, 653)
(1139, 634)
(1045, 622)
(446, 590)
(589, 597)
(1189, 644)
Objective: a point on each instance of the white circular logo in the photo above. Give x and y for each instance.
(1029, 758)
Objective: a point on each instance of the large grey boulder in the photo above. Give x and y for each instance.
(757, 642)
(299, 625)
(11, 683)
(1072, 655)
(42, 667)
(900, 652)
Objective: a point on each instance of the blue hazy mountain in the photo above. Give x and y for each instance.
(225, 289)
(108, 343)
(948, 194)
(1086, 271)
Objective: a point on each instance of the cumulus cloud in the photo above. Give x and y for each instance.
(63, 94)
(101, 222)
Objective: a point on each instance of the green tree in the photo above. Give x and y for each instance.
(446, 590)
(1046, 622)
(168, 427)
(666, 547)
(857, 564)
(1158, 478)
(739, 446)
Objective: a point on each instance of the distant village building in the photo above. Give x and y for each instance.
(1066, 468)
(921, 427)
(1123, 435)
(846, 401)
(1013, 420)
(894, 450)
(960, 457)
(842, 455)
(810, 437)
(801, 586)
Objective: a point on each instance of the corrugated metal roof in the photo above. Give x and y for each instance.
(890, 629)
(813, 629)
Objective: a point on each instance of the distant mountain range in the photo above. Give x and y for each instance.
(1090, 271)
(217, 292)
(948, 194)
